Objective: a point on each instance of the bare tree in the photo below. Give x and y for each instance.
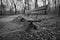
(1, 8)
(14, 7)
(0, 2)
(25, 6)
(44, 2)
(36, 5)
(28, 4)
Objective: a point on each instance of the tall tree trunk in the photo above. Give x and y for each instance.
(25, 6)
(36, 5)
(0, 2)
(44, 2)
(28, 4)
(15, 8)
(57, 8)
(1, 7)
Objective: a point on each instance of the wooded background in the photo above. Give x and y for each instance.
(23, 5)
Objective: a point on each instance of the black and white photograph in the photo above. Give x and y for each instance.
(29, 19)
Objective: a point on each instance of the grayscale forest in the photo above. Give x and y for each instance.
(29, 19)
